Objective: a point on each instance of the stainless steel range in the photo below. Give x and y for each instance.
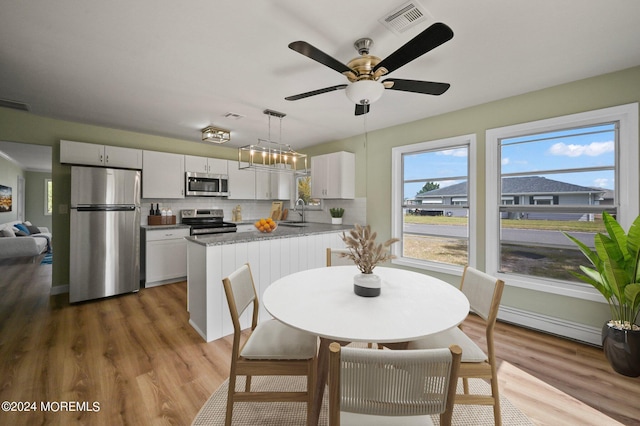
(206, 221)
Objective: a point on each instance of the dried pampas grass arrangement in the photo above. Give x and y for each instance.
(364, 252)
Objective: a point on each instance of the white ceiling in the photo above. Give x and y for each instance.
(170, 68)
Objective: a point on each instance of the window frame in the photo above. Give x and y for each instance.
(627, 177)
(46, 196)
(397, 177)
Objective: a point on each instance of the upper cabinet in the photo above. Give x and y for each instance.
(242, 182)
(214, 166)
(333, 175)
(100, 155)
(162, 175)
(273, 186)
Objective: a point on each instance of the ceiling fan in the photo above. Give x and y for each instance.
(364, 72)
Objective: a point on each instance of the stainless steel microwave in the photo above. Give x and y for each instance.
(206, 185)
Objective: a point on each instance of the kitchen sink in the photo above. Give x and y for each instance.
(293, 224)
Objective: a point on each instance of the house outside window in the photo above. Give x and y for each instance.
(556, 176)
(433, 209)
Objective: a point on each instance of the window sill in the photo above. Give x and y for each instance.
(429, 266)
(562, 288)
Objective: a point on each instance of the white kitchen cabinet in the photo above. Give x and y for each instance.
(281, 186)
(100, 155)
(162, 175)
(333, 175)
(197, 164)
(242, 182)
(165, 256)
(273, 186)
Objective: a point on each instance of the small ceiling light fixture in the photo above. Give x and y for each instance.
(272, 156)
(215, 135)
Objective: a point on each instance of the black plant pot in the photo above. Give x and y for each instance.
(622, 349)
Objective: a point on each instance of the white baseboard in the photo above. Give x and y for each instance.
(552, 325)
(59, 289)
(203, 335)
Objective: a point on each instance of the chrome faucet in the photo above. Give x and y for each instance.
(295, 208)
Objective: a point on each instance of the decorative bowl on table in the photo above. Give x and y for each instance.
(266, 225)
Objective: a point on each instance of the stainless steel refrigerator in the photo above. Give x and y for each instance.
(105, 232)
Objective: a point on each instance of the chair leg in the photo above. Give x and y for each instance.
(465, 385)
(247, 386)
(497, 416)
(232, 389)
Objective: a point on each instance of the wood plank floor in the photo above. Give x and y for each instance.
(137, 357)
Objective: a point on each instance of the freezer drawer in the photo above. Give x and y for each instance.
(105, 253)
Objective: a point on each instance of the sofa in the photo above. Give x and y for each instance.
(22, 239)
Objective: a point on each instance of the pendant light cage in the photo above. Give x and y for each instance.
(272, 156)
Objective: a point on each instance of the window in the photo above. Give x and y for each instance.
(48, 197)
(303, 190)
(553, 176)
(433, 209)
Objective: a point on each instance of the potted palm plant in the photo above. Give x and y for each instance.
(616, 275)
(366, 254)
(336, 215)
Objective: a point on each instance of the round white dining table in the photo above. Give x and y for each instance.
(322, 302)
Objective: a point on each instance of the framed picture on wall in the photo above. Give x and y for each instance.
(5, 199)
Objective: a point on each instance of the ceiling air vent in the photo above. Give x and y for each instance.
(14, 105)
(405, 17)
(233, 116)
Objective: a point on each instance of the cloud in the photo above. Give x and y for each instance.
(601, 183)
(458, 152)
(572, 150)
(505, 161)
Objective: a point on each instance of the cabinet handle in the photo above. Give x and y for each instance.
(107, 160)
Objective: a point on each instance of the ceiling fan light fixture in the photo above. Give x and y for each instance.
(215, 135)
(364, 92)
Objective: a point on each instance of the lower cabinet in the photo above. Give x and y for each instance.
(165, 256)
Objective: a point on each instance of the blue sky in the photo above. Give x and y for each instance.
(538, 155)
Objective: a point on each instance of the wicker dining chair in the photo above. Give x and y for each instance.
(391, 387)
(484, 293)
(272, 349)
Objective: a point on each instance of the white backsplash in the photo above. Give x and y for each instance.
(355, 211)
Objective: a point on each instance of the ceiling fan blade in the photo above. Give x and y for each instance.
(362, 109)
(417, 86)
(318, 55)
(427, 40)
(315, 92)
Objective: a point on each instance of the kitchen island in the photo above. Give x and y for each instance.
(210, 258)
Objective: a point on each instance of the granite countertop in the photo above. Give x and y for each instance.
(281, 231)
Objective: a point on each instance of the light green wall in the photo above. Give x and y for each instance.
(373, 162)
(374, 173)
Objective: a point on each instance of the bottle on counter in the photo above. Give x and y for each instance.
(157, 212)
(152, 211)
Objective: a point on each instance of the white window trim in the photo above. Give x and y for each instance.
(46, 197)
(396, 202)
(629, 197)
